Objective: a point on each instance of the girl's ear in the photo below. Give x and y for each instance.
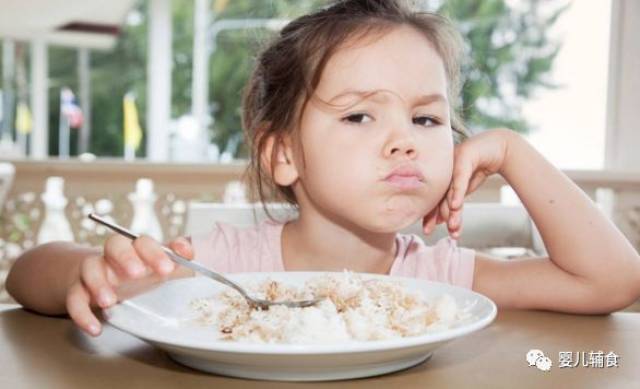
(285, 172)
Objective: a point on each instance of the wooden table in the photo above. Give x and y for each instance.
(44, 352)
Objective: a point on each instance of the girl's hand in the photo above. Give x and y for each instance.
(122, 264)
(475, 159)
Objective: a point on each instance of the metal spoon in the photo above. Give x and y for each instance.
(180, 260)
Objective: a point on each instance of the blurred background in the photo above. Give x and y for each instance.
(538, 67)
(131, 109)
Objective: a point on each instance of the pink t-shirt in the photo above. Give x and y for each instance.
(229, 249)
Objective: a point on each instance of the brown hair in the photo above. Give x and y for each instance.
(288, 71)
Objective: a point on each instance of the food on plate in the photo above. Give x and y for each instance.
(354, 308)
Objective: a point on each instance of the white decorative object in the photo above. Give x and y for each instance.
(145, 220)
(7, 174)
(55, 226)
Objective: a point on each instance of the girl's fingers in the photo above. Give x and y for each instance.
(455, 224)
(79, 309)
(457, 231)
(432, 222)
(454, 219)
(183, 247)
(477, 180)
(444, 210)
(464, 187)
(119, 252)
(93, 275)
(461, 177)
(428, 221)
(439, 217)
(152, 254)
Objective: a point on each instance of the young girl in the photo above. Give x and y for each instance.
(349, 115)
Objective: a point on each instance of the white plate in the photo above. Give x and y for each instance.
(164, 318)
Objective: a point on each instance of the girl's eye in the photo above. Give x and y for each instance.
(427, 121)
(357, 118)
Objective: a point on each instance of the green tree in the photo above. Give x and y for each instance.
(508, 56)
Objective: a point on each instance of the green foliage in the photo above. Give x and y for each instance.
(509, 56)
(233, 60)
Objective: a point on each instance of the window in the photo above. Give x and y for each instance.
(570, 121)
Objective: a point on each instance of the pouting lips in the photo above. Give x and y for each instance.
(405, 176)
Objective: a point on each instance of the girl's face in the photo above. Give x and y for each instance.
(352, 145)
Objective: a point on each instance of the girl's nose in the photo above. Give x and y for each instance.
(400, 146)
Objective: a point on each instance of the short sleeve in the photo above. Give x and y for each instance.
(457, 263)
(442, 262)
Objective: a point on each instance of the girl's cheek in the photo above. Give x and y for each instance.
(440, 173)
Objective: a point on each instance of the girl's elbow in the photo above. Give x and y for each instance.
(604, 304)
(631, 293)
(624, 293)
(620, 303)
(19, 273)
(9, 284)
(12, 282)
(618, 289)
(631, 289)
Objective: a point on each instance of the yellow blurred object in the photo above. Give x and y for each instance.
(132, 130)
(220, 5)
(24, 123)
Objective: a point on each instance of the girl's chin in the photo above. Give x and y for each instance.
(394, 223)
(390, 216)
(403, 214)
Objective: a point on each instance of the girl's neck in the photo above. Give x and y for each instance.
(318, 244)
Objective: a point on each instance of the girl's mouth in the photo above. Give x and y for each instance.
(404, 181)
(405, 176)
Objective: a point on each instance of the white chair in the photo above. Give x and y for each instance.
(202, 216)
(492, 227)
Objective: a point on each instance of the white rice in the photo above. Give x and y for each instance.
(354, 309)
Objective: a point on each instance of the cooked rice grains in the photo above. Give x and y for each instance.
(354, 309)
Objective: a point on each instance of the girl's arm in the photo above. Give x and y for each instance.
(591, 268)
(62, 277)
(41, 277)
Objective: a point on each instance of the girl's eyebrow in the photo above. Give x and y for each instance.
(363, 94)
(431, 98)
